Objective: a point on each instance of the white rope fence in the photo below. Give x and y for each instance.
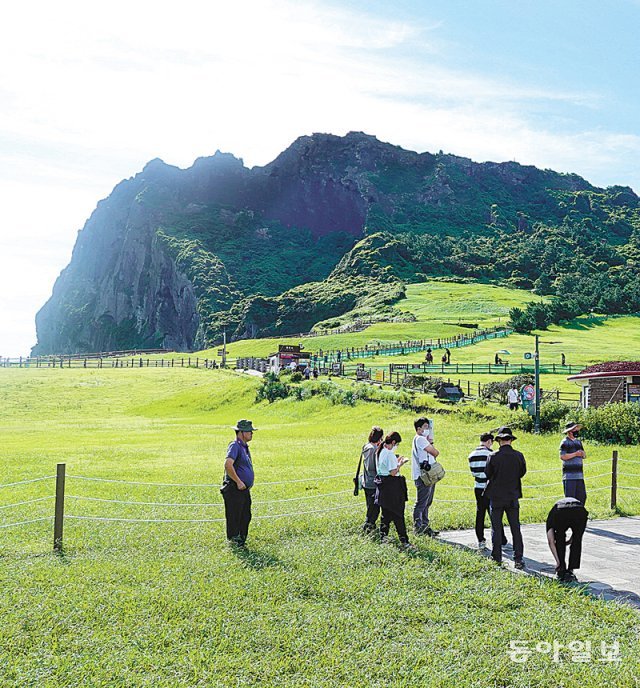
(211, 520)
(206, 504)
(32, 520)
(207, 485)
(25, 482)
(60, 496)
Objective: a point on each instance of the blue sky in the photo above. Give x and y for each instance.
(89, 92)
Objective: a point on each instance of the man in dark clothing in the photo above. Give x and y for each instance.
(237, 484)
(566, 513)
(477, 463)
(504, 471)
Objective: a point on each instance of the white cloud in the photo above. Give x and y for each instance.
(90, 91)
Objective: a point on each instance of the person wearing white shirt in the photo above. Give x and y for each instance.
(513, 397)
(391, 493)
(422, 450)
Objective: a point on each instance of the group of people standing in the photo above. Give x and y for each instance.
(386, 490)
(497, 487)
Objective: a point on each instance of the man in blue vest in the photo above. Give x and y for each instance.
(237, 484)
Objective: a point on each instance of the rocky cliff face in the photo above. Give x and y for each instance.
(122, 289)
(172, 255)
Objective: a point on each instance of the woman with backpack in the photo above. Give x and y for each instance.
(369, 459)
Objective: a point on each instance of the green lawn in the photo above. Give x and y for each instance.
(439, 306)
(312, 603)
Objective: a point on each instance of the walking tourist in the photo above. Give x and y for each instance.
(421, 452)
(477, 464)
(237, 484)
(448, 355)
(369, 472)
(572, 455)
(504, 470)
(567, 513)
(391, 492)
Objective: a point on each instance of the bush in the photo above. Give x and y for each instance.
(297, 376)
(552, 416)
(423, 382)
(619, 423)
(272, 389)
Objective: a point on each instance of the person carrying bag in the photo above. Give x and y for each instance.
(391, 493)
(369, 462)
(426, 472)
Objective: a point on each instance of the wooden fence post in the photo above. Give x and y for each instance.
(614, 479)
(58, 521)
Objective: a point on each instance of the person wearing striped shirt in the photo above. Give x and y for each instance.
(477, 463)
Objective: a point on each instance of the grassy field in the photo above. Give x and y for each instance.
(312, 602)
(439, 306)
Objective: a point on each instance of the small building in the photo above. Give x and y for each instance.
(609, 383)
(450, 392)
(287, 356)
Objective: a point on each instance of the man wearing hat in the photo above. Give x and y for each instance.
(237, 484)
(572, 455)
(477, 464)
(504, 471)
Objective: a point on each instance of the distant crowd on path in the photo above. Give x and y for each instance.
(497, 487)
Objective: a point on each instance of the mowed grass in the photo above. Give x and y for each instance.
(312, 602)
(440, 306)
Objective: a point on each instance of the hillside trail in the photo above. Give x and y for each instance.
(610, 565)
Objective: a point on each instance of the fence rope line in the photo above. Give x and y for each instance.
(208, 520)
(29, 501)
(541, 470)
(24, 482)
(444, 485)
(33, 520)
(629, 475)
(131, 482)
(204, 504)
(627, 487)
(470, 501)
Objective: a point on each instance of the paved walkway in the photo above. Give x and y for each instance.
(610, 555)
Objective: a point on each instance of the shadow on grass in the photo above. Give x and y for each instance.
(582, 324)
(255, 559)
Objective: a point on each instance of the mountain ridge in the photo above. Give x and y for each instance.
(173, 256)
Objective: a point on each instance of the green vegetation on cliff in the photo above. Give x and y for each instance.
(324, 230)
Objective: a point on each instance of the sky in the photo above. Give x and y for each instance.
(91, 91)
